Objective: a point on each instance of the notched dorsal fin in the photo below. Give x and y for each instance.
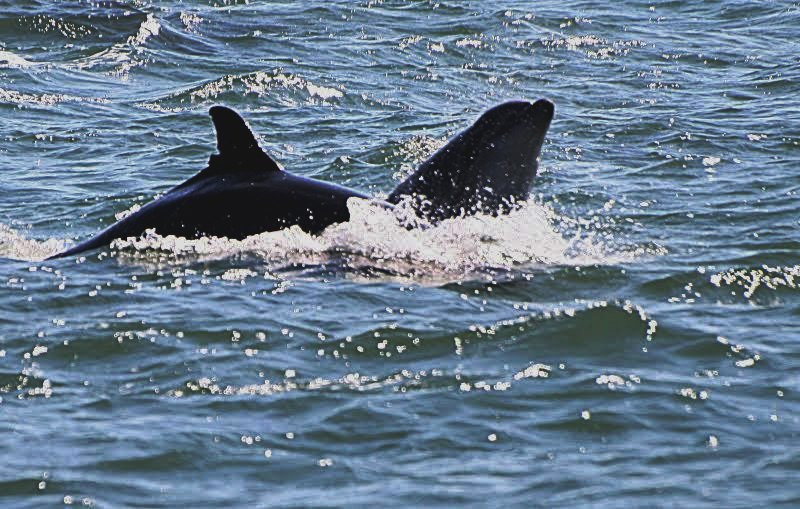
(236, 144)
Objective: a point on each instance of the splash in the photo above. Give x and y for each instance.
(376, 238)
(375, 241)
(16, 246)
(414, 151)
(765, 277)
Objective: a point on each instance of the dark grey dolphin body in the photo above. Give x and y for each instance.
(485, 169)
(488, 168)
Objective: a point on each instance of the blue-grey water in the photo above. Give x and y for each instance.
(630, 338)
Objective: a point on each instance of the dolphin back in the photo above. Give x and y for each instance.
(488, 168)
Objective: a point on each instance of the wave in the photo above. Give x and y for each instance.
(259, 83)
(9, 59)
(124, 56)
(21, 98)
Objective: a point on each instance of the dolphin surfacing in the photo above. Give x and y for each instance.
(488, 168)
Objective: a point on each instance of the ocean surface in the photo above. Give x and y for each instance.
(631, 337)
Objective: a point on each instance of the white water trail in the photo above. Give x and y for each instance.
(373, 238)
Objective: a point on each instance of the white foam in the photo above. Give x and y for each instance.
(16, 246)
(148, 28)
(20, 98)
(375, 237)
(533, 235)
(8, 59)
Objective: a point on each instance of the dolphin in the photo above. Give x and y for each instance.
(487, 168)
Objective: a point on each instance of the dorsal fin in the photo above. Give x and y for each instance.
(236, 143)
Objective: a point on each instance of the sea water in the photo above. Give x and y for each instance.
(629, 337)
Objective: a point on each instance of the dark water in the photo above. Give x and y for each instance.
(631, 338)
